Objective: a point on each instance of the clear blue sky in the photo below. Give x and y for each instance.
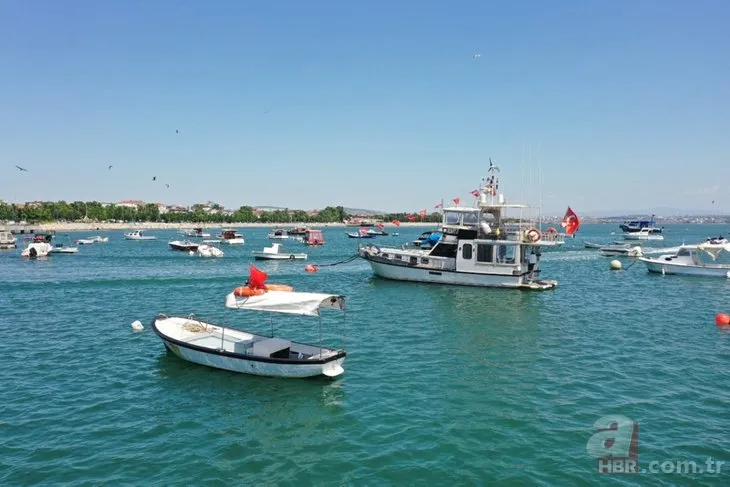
(378, 104)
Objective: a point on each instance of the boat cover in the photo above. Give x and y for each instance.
(287, 302)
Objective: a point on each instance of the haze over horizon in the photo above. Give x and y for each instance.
(377, 105)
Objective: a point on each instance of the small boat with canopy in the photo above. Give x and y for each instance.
(247, 352)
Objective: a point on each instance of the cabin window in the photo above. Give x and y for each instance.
(684, 252)
(466, 252)
(485, 253)
(398, 257)
(424, 261)
(506, 254)
(386, 256)
(414, 260)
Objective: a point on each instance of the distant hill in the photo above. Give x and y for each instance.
(660, 211)
(351, 211)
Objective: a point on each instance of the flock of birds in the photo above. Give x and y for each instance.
(154, 178)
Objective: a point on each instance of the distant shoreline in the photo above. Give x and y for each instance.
(102, 227)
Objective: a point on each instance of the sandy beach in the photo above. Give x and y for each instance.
(91, 226)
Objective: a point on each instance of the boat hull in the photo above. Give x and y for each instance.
(416, 274)
(664, 267)
(265, 256)
(233, 241)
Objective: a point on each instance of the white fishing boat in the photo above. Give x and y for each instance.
(247, 352)
(85, 241)
(692, 260)
(276, 252)
(209, 251)
(64, 248)
(7, 240)
(717, 240)
(643, 234)
(231, 237)
(138, 235)
(480, 246)
(98, 239)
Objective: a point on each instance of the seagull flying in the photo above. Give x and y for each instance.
(21, 168)
(492, 166)
(110, 167)
(154, 178)
(167, 185)
(177, 131)
(476, 56)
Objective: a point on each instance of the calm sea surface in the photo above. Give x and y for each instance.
(442, 386)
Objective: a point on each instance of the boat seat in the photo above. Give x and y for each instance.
(242, 346)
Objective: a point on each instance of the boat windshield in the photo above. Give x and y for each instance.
(466, 218)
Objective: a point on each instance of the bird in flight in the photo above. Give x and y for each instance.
(154, 178)
(167, 185)
(476, 56)
(110, 167)
(177, 131)
(21, 168)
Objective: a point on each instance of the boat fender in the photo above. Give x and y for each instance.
(291, 256)
(310, 268)
(533, 235)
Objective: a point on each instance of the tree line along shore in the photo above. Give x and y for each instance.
(93, 211)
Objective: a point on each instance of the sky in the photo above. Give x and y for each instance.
(381, 105)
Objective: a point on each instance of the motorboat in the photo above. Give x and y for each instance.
(209, 251)
(183, 245)
(632, 226)
(361, 233)
(483, 246)
(625, 250)
(231, 237)
(34, 249)
(64, 248)
(85, 241)
(692, 260)
(313, 237)
(248, 352)
(592, 245)
(278, 234)
(717, 240)
(276, 252)
(138, 235)
(643, 234)
(98, 239)
(297, 231)
(380, 232)
(7, 240)
(197, 232)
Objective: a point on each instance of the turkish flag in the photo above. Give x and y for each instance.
(570, 222)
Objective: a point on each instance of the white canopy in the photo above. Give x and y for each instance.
(287, 302)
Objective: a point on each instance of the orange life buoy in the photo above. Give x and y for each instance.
(246, 291)
(533, 235)
(278, 287)
(551, 230)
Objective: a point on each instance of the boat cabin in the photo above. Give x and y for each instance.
(314, 237)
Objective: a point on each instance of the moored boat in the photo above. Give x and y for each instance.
(138, 235)
(247, 352)
(278, 234)
(479, 246)
(276, 252)
(7, 240)
(644, 234)
(183, 245)
(690, 260)
(231, 236)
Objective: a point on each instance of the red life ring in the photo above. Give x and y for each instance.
(551, 230)
(533, 235)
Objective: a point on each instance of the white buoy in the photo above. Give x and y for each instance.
(616, 265)
(191, 253)
(137, 325)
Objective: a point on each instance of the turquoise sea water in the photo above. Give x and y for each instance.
(443, 385)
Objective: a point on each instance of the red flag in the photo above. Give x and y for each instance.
(380, 226)
(456, 200)
(396, 223)
(363, 231)
(411, 218)
(440, 205)
(570, 222)
(475, 193)
(423, 213)
(256, 278)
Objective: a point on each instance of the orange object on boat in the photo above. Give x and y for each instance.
(246, 291)
(278, 287)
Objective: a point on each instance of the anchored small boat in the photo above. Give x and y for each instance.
(7, 240)
(690, 260)
(247, 352)
(231, 237)
(278, 234)
(276, 252)
(209, 251)
(138, 235)
(621, 250)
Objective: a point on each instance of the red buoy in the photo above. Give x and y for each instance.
(722, 320)
(310, 268)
